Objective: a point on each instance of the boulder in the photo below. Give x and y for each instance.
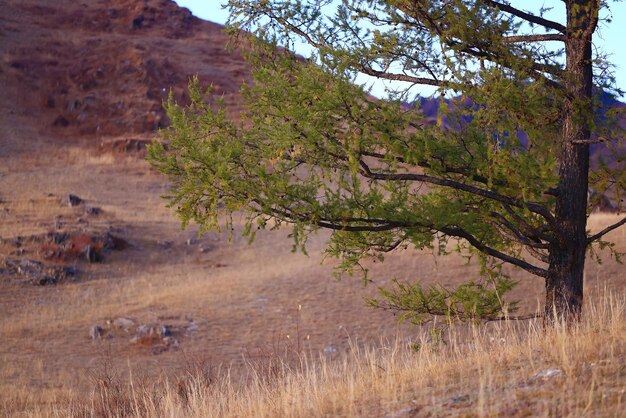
(123, 323)
(96, 332)
(94, 211)
(73, 200)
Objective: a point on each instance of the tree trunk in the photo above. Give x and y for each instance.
(564, 285)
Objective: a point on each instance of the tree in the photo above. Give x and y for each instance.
(504, 171)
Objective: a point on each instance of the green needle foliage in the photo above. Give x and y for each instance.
(468, 302)
(503, 173)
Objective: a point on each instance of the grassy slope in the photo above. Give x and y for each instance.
(496, 371)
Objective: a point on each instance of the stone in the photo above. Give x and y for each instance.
(73, 200)
(165, 245)
(123, 323)
(91, 254)
(143, 329)
(27, 266)
(45, 280)
(96, 332)
(163, 331)
(58, 237)
(94, 211)
(138, 21)
(544, 374)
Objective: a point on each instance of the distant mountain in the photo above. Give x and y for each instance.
(429, 107)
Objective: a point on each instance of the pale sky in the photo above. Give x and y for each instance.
(611, 38)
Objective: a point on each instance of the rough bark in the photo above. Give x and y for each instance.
(564, 284)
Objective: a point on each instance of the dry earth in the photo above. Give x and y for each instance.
(76, 76)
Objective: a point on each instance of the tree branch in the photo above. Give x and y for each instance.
(534, 38)
(475, 242)
(605, 231)
(538, 20)
(535, 208)
(399, 77)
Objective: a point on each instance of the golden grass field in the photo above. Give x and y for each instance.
(257, 330)
(276, 334)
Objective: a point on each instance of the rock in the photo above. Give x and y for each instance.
(94, 211)
(192, 326)
(96, 332)
(58, 237)
(163, 331)
(112, 242)
(45, 280)
(144, 329)
(123, 323)
(160, 331)
(165, 245)
(138, 21)
(29, 267)
(91, 254)
(65, 272)
(544, 374)
(170, 341)
(73, 200)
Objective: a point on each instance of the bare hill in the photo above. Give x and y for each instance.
(102, 68)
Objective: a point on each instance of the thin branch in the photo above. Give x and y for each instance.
(399, 77)
(538, 209)
(365, 69)
(554, 70)
(534, 38)
(527, 16)
(605, 231)
(515, 318)
(522, 238)
(533, 232)
(476, 243)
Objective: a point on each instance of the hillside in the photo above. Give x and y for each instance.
(101, 69)
(97, 281)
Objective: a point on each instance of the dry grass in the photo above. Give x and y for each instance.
(493, 371)
(244, 299)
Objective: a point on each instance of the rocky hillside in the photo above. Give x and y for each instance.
(101, 68)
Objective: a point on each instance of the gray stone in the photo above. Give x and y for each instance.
(544, 374)
(96, 332)
(94, 211)
(123, 323)
(144, 329)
